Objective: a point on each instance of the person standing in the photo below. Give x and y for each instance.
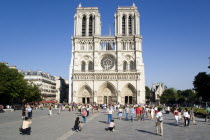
(110, 112)
(138, 113)
(159, 122)
(59, 108)
(132, 112)
(84, 114)
(23, 112)
(127, 111)
(29, 111)
(152, 111)
(88, 109)
(208, 114)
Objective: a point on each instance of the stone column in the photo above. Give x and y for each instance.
(126, 25)
(132, 25)
(137, 24)
(97, 24)
(87, 26)
(120, 24)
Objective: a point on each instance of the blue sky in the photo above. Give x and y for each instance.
(36, 35)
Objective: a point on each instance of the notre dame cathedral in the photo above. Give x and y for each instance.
(107, 69)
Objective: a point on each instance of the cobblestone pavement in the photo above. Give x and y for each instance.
(58, 127)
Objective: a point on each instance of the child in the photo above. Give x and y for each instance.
(77, 126)
(111, 126)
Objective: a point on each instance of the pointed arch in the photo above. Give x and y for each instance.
(132, 66)
(124, 66)
(129, 94)
(130, 25)
(90, 25)
(83, 65)
(84, 25)
(90, 66)
(110, 86)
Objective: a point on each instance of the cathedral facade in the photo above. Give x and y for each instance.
(107, 69)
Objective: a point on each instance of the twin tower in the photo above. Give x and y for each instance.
(107, 69)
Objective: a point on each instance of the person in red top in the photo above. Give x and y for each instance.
(138, 112)
(176, 115)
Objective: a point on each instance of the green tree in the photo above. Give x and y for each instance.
(202, 85)
(13, 87)
(147, 93)
(169, 96)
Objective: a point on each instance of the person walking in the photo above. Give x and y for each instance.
(50, 110)
(159, 122)
(176, 115)
(84, 115)
(110, 112)
(120, 113)
(186, 117)
(143, 114)
(192, 115)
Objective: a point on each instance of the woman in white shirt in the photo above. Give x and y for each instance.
(186, 117)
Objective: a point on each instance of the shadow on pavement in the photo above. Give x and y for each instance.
(103, 121)
(144, 131)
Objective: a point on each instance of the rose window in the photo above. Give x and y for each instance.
(108, 62)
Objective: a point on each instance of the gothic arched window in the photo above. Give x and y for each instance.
(90, 66)
(131, 66)
(124, 66)
(123, 25)
(83, 25)
(130, 25)
(124, 45)
(83, 66)
(90, 26)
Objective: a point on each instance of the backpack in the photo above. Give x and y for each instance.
(84, 113)
(160, 118)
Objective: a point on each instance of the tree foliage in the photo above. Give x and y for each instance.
(147, 92)
(172, 96)
(13, 87)
(202, 85)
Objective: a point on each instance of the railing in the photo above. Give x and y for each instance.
(104, 71)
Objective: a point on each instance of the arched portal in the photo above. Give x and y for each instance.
(108, 94)
(129, 95)
(85, 95)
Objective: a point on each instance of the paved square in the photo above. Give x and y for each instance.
(58, 127)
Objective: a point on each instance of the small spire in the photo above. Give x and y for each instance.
(80, 5)
(134, 4)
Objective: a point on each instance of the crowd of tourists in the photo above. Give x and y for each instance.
(136, 112)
